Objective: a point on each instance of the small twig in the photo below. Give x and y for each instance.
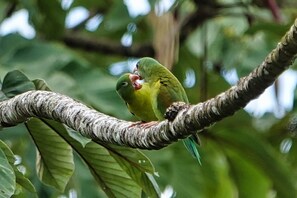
(108, 47)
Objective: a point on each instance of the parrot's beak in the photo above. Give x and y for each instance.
(133, 78)
(135, 71)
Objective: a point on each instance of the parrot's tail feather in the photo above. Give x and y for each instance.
(191, 147)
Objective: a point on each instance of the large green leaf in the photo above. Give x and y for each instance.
(54, 156)
(7, 177)
(269, 28)
(178, 169)
(49, 13)
(111, 26)
(37, 59)
(8, 152)
(2, 95)
(78, 137)
(112, 178)
(251, 147)
(249, 179)
(42, 85)
(138, 166)
(7, 49)
(133, 156)
(114, 181)
(20, 177)
(281, 135)
(15, 82)
(117, 11)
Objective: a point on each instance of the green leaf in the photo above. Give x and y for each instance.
(15, 82)
(118, 11)
(78, 137)
(48, 17)
(2, 95)
(113, 29)
(10, 44)
(24, 181)
(138, 166)
(133, 156)
(31, 57)
(9, 154)
(20, 178)
(181, 171)
(114, 181)
(7, 177)
(251, 147)
(41, 85)
(54, 157)
(250, 180)
(269, 28)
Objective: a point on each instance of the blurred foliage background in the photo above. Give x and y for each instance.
(80, 48)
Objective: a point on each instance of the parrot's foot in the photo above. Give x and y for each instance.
(148, 124)
(174, 108)
(144, 124)
(136, 123)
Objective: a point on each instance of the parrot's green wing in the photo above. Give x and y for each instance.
(170, 90)
(166, 90)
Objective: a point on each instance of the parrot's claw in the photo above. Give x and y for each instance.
(136, 123)
(148, 124)
(144, 124)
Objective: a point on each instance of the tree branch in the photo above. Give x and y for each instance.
(88, 44)
(104, 128)
(206, 11)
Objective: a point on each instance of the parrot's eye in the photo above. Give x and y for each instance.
(124, 84)
(137, 65)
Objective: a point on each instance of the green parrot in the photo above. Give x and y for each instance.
(136, 96)
(164, 90)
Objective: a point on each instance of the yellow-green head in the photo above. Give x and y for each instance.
(149, 69)
(127, 84)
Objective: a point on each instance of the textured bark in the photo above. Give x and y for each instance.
(104, 128)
